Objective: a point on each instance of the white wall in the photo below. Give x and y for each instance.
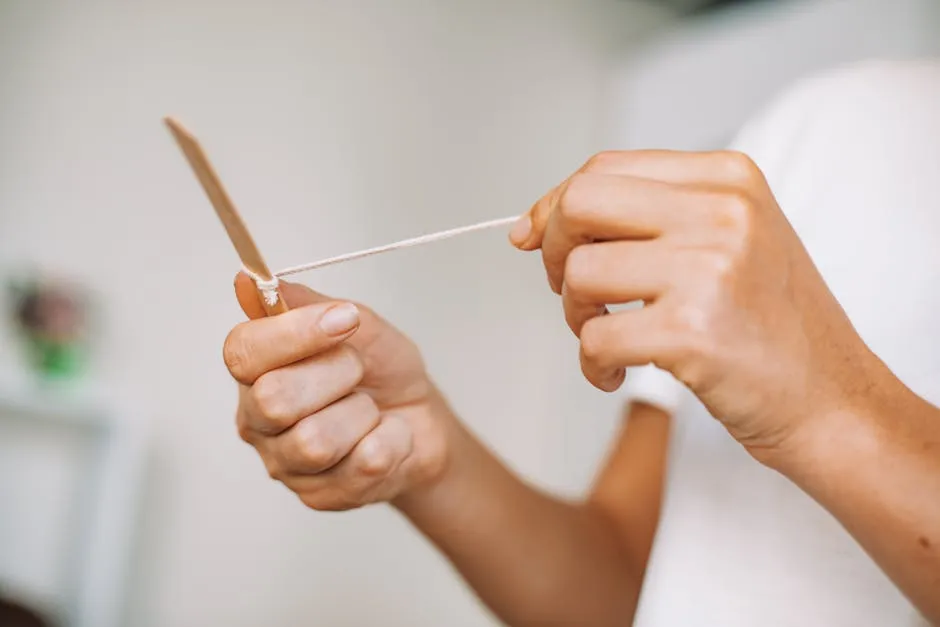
(692, 87)
(336, 125)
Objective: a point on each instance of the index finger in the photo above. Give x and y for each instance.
(258, 346)
(720, 169)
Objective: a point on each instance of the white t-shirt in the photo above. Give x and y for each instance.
(853, 157)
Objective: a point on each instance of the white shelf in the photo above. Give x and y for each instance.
(99, 549)
(54, 406)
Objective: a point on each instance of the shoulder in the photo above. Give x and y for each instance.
(840, 109)
(863, 128)
(852, 156)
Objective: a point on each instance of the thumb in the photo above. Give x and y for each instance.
(295, 295)
(529, 229)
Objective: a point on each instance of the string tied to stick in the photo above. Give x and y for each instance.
(267, 287)
(406, 243)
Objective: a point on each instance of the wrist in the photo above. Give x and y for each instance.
(440, 475)
(842, 431)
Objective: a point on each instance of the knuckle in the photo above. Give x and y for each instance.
(236, 353)
(720, 266)
(316, 444)
(741, 168)
(689, 320)
(735, 213)
(275, 470)
(554, 271)
(574, 200)
(270, 396)
(602, 161)
(244, 432)
(578, 270)
(693, 325)
(739, 207)
(594, 341)
(377, 459)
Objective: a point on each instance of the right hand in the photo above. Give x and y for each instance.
(343, 415)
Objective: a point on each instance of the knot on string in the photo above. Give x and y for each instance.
(267, 287)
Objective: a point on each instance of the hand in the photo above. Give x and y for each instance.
(334, 399)
(734, 307)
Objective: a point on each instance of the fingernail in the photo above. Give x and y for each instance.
(521, 230)
(339, 319)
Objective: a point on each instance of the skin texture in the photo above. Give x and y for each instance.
(734, 308)
(737, 311)
(349, 417)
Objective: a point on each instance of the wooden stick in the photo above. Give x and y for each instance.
(248, 252)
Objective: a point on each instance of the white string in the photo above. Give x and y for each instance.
(268, 288)
(407, 243)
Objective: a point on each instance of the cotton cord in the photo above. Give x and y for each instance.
(407, 243)
(268, 288)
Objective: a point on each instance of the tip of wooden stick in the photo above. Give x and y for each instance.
(174, 125)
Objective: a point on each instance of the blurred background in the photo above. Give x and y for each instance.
(126, 497)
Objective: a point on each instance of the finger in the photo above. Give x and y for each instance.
(370, 472)
(602, 207)
(528, 230)
(609, 273)
(281, 397)
(257, 346)
(621, 340)
(702, 169)
(526, 234)
(722, 168)
(320, 441)
(371, 325)
(248, 297)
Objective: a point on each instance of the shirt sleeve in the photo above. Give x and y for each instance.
(652, 386)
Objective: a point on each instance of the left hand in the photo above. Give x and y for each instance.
(734, 306)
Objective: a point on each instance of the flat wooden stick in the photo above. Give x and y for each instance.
(248, 252)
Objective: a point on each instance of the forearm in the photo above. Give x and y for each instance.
(876, 467)
(630, 488)
(532, 559)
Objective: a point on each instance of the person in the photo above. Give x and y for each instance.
(826, 447)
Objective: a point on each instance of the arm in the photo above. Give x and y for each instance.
(340, 409)
(539, 561)
(875, 466)
(737, 311)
